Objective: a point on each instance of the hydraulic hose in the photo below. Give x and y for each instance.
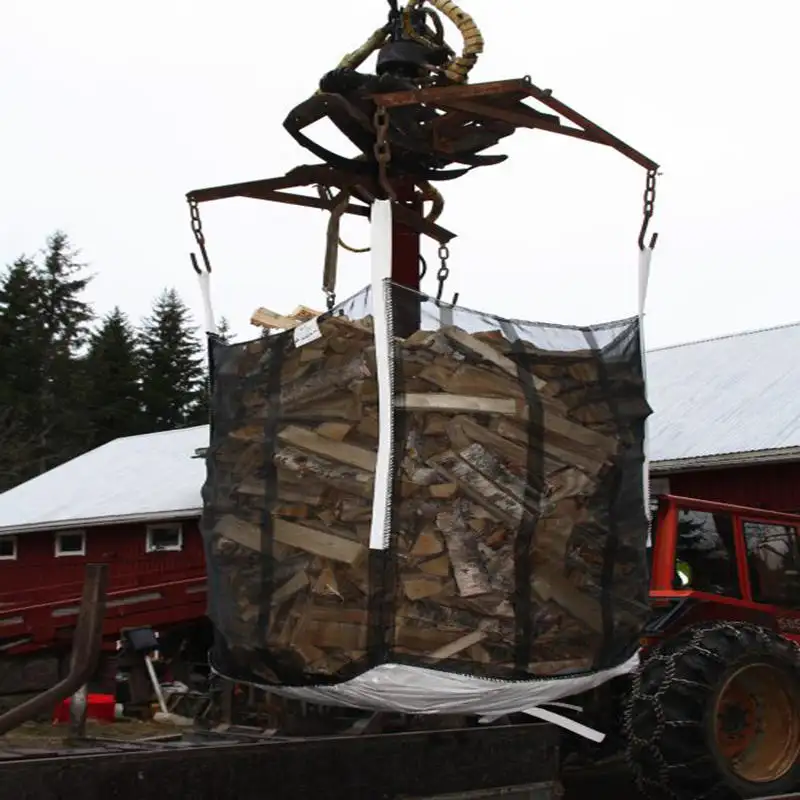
(459, 67)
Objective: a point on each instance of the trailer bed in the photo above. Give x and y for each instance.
(506, 763)
(513, 762)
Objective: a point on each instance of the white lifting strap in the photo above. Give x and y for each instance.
(204, 279)
(381, 225)
(645, 257)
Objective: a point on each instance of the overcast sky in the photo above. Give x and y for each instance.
(112, 111)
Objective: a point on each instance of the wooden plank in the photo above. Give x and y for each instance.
(457, 404)
(320, 543)
(459, 645)
(264, 318)
(308, 440)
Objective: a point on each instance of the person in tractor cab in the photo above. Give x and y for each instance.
(705, 554)
(683, 571)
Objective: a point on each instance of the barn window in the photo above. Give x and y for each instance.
(71, 543)
(8, 548)
(162, 538)
(659, 486)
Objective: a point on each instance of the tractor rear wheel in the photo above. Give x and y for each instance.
(714, 712)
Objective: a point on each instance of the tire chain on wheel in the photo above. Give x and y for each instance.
(745, 638)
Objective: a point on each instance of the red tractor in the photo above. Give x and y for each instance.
(714, 709)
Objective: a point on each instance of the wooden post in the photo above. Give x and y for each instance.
(78, 711)
(405, 262)
(86, 645)
(155, 683)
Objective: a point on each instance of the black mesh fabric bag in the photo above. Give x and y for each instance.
(465, 494)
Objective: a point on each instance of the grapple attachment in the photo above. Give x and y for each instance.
(424, 141)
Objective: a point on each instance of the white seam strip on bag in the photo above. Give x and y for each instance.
(205, 292)
(645, 257)
(381, 230)
(546, 715)
(565, 722)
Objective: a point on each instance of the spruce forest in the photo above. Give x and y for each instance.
(71, 381)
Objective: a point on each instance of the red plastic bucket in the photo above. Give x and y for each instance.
(101, 708)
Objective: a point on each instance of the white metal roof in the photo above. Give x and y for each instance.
(731, 400)
(134, 479)
(720, 401)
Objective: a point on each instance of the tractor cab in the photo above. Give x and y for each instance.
(713, 560)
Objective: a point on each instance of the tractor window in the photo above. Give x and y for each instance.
(706, 554)
(773, 561)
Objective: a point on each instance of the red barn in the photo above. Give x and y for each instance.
(726, 418)
(133, 504)
(725, 426)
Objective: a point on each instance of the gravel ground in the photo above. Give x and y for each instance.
(45, 735)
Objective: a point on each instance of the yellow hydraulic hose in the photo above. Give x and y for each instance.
(355, 59)
(458, 69)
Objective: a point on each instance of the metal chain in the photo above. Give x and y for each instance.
(649, 208)
(444, 271)
(197, 223)
(197, 230)
(330, 299)
(382, 150)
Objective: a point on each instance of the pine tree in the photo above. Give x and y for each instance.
(114, 380)
(65, 317)
(22, 336)
(224, 333)
(21, 345)
(43, 326)
(173, 370)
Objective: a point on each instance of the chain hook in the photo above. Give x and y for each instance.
(444, 271)
(649, 208)
(197, 230)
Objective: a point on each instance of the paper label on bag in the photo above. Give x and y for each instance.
(306, 333)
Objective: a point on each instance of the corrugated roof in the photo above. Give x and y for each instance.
(737, 394)
(137, 478)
